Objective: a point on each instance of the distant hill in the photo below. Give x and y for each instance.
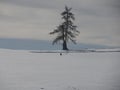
(27, 44)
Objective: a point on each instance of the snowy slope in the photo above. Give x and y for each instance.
(23, 70)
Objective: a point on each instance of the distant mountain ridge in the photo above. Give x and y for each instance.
(28, 44)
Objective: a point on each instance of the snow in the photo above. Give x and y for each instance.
(23, 70)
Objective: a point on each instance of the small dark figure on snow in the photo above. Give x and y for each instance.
(60, 54)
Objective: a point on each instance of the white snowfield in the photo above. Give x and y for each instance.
(23, 70)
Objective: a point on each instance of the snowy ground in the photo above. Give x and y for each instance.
(23, 70)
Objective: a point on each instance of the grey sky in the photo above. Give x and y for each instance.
(97, 20)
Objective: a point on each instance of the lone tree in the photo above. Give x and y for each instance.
(66, 31)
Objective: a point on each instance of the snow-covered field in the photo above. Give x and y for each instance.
(23, 70)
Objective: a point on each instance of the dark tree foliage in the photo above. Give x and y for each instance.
(66, 31)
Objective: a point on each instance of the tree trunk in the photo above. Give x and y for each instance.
(65, 45)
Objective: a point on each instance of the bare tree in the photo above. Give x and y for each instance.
(67, 30)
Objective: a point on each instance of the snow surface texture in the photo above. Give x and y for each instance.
(22, 70)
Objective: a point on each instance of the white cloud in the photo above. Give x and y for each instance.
(23, 22)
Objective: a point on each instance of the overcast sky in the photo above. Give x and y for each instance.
(97, 20)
